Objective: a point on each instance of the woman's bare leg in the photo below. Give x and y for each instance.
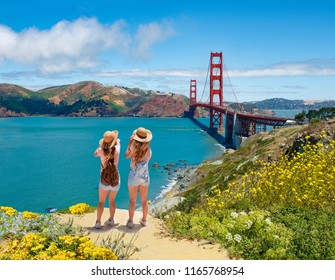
(101, 203)
(112, 205)
(144, 201)
(132, 201)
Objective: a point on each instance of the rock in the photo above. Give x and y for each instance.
(217, 162)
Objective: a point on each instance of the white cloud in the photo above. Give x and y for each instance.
(148, 35)
(182, 73)
(315, 67)
(65, 47)
(70, 46)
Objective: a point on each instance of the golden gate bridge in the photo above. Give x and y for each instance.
(238, 124)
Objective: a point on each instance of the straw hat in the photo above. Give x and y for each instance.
(109, 137)
(142, 135)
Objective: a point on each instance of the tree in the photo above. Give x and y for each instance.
(300, 118)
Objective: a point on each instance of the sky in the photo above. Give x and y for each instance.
(270, 48)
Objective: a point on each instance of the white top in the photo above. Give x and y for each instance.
(100, 153)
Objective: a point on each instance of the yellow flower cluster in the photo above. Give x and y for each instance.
(29, 215)
(9, 211)
(214, 201)
(80, 208)
(306, 179)
(38, 247)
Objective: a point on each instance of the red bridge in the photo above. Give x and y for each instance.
(239, 124)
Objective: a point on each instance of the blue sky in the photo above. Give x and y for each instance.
(283, 49)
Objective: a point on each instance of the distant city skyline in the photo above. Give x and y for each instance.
(271, 49)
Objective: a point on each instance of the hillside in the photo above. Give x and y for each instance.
(263, 147)
(258, 204)
(286, 104)
(89, 98)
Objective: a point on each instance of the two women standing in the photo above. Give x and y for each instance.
(138, 179)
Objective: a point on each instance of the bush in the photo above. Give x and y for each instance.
(314, 232)
(14, 224)
(81, 208)
(31, 236)
(35, 246)
(246, 235)
(305, 180)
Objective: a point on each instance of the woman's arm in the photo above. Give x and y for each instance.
(148, 155)
(129, 152)
(117, 153)
(96, 152)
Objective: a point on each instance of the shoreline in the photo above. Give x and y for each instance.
(186, 176)
(170, 198)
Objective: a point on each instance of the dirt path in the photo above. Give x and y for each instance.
(150, 240)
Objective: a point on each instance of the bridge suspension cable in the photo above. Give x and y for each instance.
(216, 73)
(205, 84)
(226, 71)
(230, 84)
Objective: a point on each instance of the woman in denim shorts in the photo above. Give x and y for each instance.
(138, 179)
(109, 148)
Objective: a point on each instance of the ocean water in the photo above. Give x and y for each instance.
(48, 162)
(286, 113)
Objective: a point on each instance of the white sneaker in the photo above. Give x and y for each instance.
(97, 224)
(143, 223)
(130, 224)
(110, 222)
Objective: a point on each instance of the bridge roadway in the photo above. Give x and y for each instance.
(261, 119)
(241, 124)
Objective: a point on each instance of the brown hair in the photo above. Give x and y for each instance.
(109, 153)
(140, 150)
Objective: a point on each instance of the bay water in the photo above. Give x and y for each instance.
(48, 162)
(289, 113)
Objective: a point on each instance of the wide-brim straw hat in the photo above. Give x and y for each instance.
(142, 135)
(109, 137)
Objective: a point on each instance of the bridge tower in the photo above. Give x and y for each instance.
(193, 97)
(216, 92)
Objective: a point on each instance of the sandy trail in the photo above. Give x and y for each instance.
(151, 240)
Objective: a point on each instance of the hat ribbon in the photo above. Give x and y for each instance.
(142, 137)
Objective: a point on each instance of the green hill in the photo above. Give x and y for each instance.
(90, 98)
(274, 198)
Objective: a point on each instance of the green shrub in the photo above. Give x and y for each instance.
(246, 235)
(314, 232)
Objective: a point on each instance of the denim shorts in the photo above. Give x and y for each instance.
(110, 188)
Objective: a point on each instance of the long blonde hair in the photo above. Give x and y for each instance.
(140, 150)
